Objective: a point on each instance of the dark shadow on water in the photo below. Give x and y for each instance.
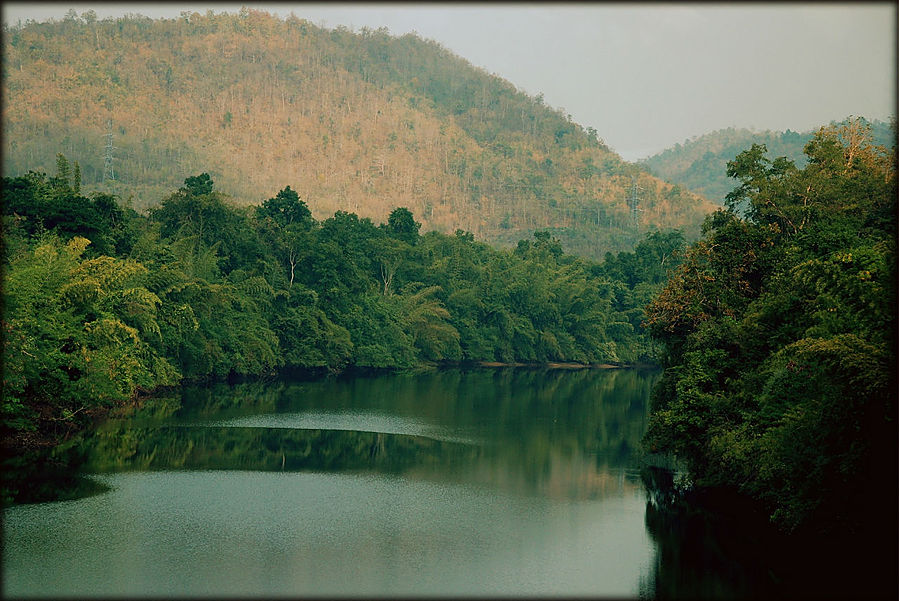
(716, 544)
(45, 475)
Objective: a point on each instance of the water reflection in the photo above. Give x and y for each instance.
(42, 475)
(455, 482)
(716, 544)
(696, 559)
(264, 449)
(556, 433)
(346, 420)
(458, 482)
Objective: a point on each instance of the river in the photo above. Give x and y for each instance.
(456, 482)
(453, 482)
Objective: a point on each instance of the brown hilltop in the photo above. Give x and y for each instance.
(362, 122)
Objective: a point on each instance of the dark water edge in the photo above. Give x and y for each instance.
(44, 475)
(719, 544)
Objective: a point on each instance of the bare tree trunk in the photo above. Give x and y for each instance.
(292, 259)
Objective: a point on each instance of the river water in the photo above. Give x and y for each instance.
(457, 482)
(453, 482)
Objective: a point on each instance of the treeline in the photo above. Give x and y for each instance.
(779, 332)
(101, 302)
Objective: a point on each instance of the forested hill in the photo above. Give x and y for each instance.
(700, 163)
(361, 122)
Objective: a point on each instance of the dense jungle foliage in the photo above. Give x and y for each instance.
(362, 121)
(102, 303)
(779, 330)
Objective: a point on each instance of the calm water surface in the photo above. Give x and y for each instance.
(457, 482)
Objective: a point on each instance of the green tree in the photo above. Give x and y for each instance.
(287, 222)
(429, 321)
(63, 172)
(78, 332)
(778, 336)
(402, 226)
(286, 209)
(198, 185)
(390, 254)
(196, 210)
(37, 203)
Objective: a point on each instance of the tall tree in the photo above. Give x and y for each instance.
(779, 333)
(402, 226)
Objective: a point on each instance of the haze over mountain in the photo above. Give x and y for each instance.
(356, 122)
(631, 70)
(700, 163)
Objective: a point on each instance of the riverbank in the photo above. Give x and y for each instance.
(551, 365)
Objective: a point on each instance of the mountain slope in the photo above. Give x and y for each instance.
(358, 122)
(700, 163)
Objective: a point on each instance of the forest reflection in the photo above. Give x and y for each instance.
(556, 433)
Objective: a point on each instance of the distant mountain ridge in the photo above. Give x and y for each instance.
(700, 163)
(361, 122)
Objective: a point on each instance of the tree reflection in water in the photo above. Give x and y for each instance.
(716, 545)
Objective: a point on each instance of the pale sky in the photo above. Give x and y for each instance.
(644, 75)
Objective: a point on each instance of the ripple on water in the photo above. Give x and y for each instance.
(351, 421)
(252, 533)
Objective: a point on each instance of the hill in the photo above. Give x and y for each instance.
(700, 163)
(361, 122)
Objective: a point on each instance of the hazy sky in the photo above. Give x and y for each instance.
(644, 75)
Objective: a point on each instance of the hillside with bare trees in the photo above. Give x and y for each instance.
(361, 122)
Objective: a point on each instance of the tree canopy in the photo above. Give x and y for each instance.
(202, 288)
(779, 337)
